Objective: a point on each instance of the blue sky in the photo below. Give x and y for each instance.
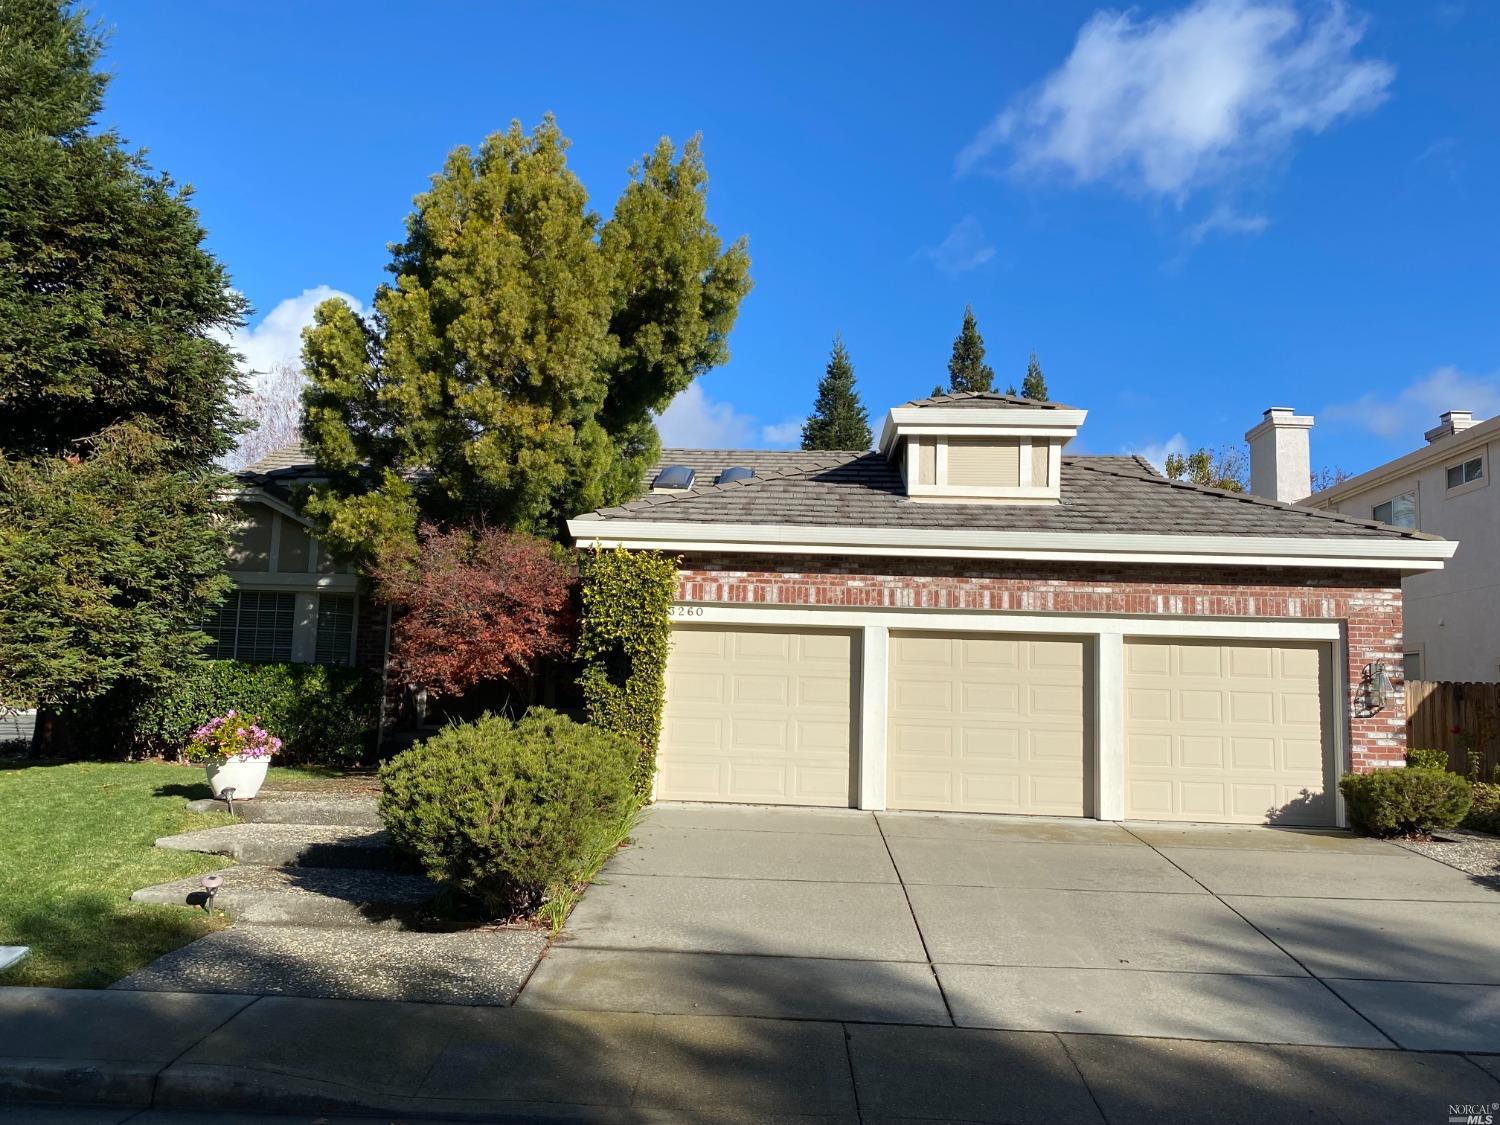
(1190, 212)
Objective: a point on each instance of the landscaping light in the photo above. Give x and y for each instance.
(210, 885)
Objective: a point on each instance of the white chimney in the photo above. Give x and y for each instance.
(1280, 463)
(1451, 422)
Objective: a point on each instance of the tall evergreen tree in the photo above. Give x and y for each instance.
(967, 370)
(1034, 385)
(838, 420)
(513, 369)
(115, 390)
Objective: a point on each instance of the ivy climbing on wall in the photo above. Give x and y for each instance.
(623, 642)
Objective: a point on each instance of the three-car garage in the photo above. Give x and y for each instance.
(1090, 723)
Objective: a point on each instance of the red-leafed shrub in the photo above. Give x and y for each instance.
(475, 605)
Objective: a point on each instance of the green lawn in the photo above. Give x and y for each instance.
(75, 840)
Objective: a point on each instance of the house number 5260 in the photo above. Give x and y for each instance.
(687, 611)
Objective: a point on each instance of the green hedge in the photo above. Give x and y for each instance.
(509, 813)
(1427, 759)
(1405, 802)
(623, 642)
(1484, 812)
(321, 713)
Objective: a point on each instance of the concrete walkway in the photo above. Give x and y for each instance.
(1223, 934)
(229, 1054)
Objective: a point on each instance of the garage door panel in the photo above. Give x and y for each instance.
(1201, 751)
(1263, 752)
(1145, 703)
(992, 701)
(1260, 754)
(757, 716)
(750, 688)
(775, 647)
(696, 688)
(1014, 743)
(988, 744)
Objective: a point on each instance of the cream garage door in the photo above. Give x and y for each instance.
(757, 716)
(986, 723)
(1228, 732)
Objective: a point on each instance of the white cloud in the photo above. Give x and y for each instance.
(277, 336)
(1416, 407)
(1224, 219)
(1157, 452)
(1167, 104)
(783, 434)
(965, 248)
(694, 421)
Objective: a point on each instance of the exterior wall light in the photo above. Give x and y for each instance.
(1375, 688)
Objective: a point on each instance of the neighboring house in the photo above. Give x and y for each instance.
(291, 600)
(969, 620)
(1442, 488)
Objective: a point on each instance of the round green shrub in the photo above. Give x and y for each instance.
(1427, 759)
(1405, 802)
(507, 811)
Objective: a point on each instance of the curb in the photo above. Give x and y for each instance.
(74, 1081)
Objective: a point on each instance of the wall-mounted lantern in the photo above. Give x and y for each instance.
(1375, 689)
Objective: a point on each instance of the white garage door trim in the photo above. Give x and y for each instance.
(1109, 673)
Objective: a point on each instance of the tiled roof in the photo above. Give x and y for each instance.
(288, 460)
(1122, 495)
(986, 399)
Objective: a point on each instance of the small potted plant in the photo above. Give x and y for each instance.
(235, 751)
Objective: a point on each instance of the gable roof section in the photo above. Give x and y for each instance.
(1112, 507)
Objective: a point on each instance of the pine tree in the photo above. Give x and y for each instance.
(967, 370)
(1034, 386)
(838, 420)
(513, 370)
(115, 388)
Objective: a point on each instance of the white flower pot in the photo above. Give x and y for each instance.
(243, 775)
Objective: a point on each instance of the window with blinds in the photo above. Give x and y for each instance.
(335, 628)
(253, 625)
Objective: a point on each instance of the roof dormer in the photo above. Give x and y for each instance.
(980, 446)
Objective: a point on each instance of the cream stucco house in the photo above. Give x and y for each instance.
(1452, 627)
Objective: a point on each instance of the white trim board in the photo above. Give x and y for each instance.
(1405, 555)
(996, 621)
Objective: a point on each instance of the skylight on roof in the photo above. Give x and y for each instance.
(734, 473)
(675, 477)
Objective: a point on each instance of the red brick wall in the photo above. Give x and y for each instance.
(1369, 602)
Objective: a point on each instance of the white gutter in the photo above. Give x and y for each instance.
(1406, 555)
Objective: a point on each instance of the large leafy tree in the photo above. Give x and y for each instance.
(115, 387)
(967, 370)
(838, 420)
(512, 369)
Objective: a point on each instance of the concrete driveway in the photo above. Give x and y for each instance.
(1253, 935)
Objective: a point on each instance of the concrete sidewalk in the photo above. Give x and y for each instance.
(233, 1054)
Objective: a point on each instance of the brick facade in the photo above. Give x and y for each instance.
(1367, 602)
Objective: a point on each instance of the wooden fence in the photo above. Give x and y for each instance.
(1457, 718)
